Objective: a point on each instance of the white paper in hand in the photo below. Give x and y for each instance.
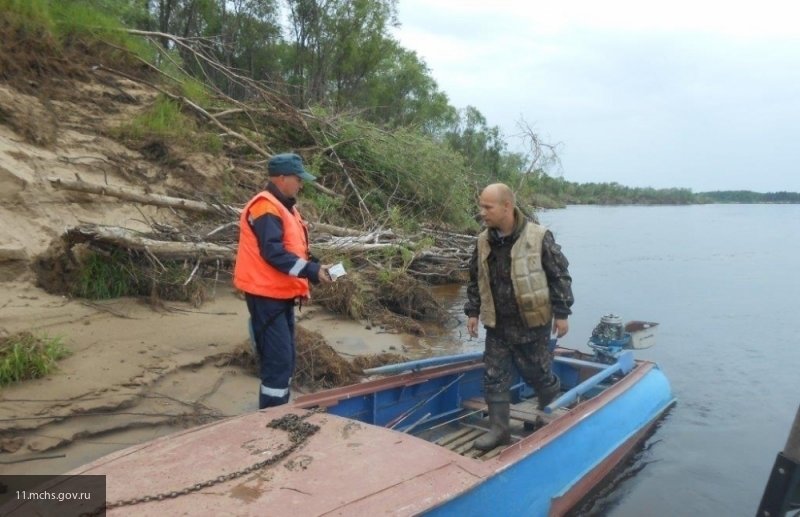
(336, 271)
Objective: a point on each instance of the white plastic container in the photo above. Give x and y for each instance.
(643, 333)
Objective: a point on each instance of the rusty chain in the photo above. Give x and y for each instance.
(299, 433)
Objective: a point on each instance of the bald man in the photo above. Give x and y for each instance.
(521, 290)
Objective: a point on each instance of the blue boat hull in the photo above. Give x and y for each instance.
(401, 445)
(547, 472)
(541, 482)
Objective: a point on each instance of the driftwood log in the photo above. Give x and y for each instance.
(162, 249)
(129, 194)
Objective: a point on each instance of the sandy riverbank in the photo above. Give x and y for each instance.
(137, 371)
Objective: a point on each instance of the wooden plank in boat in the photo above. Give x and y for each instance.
(448, 438)
(474, 453)
(494, 452)
(526, 411)
(467, 446)
(467, 438)
(532, 413)
(526, 414)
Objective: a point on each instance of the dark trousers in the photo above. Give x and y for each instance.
(532, 359)
(273, 331)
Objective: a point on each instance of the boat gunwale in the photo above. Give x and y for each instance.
(515, 451)
(563, 423)
(331, 397)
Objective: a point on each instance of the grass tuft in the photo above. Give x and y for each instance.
(102, 277)
(25, 356)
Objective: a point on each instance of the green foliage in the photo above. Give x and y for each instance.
(123, 12)
(89, 21)
(401, 92)
(27, 14)
(412, 155)
(211, 143)
(105, 276)
(747, 196)
(395, 260)
(75, 17)
(196, 92)
(165, 120)
(25, 356)
(424, 243)
(339, 43)
(325, 207)
(550, 190)
(482, 146)
(95, 20)
(402, 171)
(398, 220)
(172, 282)
(386, 277)
(171, 63)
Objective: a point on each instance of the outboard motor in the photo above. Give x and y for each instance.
(608, 337)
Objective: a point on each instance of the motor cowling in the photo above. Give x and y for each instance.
(609, 335)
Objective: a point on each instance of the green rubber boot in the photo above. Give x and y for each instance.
(499, 414)
(549, 392)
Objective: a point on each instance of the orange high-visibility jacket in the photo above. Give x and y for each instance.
(252, 274)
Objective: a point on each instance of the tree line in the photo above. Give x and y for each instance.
(338, 55)
(388, 120)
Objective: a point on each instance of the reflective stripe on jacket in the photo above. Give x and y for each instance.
(527, 276)
(252, 274)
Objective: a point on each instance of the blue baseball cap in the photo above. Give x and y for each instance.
(286, 164)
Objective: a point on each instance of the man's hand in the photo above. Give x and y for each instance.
(472, 326)
(324, 274)
(560, 327)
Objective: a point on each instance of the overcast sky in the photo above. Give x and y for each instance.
(700, 94)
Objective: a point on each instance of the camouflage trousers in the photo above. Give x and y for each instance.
(532, 360)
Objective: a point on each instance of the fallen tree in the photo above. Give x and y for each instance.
(161, 249)
(129, 194)
(445, 259)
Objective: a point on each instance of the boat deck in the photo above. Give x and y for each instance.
(460, 436)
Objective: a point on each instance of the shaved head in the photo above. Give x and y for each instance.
(500, 192)
(497, 203)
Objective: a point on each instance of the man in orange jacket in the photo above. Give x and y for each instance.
(273, 268)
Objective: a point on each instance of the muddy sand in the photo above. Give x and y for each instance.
(137, 372)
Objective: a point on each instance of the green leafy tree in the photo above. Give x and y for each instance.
(481, 145)
(401, 92)
(337, 45)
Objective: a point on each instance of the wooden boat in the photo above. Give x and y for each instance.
(400, 445)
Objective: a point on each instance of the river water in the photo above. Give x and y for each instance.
(723, 281)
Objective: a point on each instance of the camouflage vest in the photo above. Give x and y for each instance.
(527, 276)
